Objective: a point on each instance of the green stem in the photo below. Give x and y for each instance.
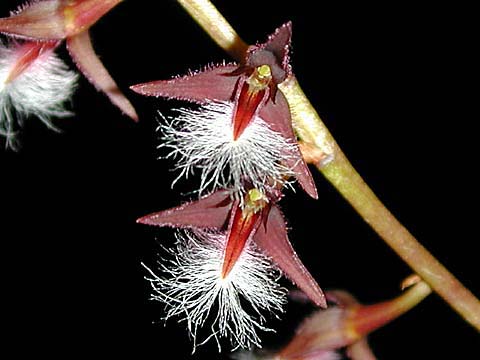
(338, 170)
(215, 25)
(349, 183)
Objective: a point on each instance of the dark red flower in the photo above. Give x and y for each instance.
(257, 218)
(252, 88)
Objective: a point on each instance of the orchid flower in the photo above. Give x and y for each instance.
(243, 129)
(219, 260)
(346, 324)
(70, 20)
(33, 81)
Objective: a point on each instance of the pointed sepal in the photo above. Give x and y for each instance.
(274, 53)
(272, 238)
(212, 84)
(39, 20)
(277, 115)
(81, 50)
(210, 211)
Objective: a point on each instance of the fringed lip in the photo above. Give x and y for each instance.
(267, 230)
(57, 20)
(234, 83)
(28, 53)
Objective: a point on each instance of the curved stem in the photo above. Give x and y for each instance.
(337, 169)
(215, 25)
(350, 184)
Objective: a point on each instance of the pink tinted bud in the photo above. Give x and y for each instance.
(364, 319)
(347, 324)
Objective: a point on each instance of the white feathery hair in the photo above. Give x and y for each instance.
(192, 288)
(202, 140)
(41, 90)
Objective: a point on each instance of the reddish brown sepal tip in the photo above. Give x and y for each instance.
(198, 87)
(81, 50)
(209, 212)
(273, 240)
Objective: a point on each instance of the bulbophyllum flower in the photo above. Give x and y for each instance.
(226, 257)
(346, 324)
(234, 305)
(246, 355)
(70, 20)
(243, 129)
(33, 82)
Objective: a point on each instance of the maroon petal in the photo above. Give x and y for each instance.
(241, 228)
(212, 84)
(81, 50)
(274, 52)
(209, 212)
(277, 115)
(273, 240)
(247, 105)
(279, 44)
(39, 20)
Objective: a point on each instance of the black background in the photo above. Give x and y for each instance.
(396, 84)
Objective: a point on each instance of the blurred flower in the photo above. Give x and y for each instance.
(33, 82)
(346, 325)
(218, 261)
(54, 20)
(243, 129)
(250, 355)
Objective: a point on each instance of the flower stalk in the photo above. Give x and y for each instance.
(215, 25)
(337, 169)
(368, 318)
(347, 323)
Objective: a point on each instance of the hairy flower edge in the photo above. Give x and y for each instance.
(41, 89)
(234, 307)
(201, 140)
